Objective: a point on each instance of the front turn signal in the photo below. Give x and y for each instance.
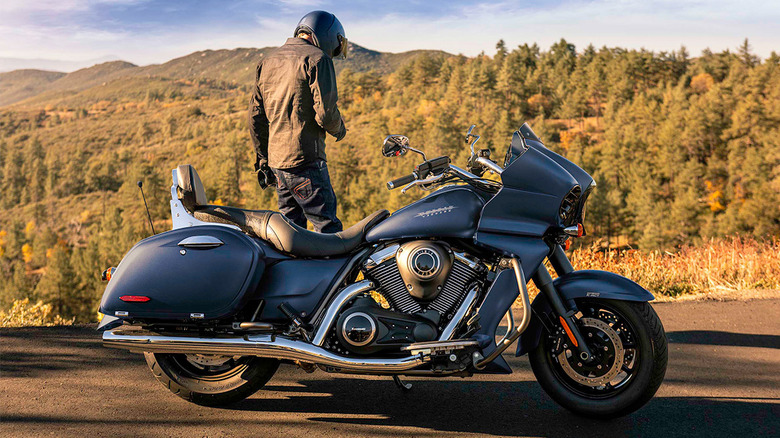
(107, 274)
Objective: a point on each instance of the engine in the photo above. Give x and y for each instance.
(424, 282)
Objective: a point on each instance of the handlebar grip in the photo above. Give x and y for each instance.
(394, 184)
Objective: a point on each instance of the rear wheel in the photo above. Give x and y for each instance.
(211, 380)
(629, 350)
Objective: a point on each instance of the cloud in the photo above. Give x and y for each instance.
(146, 31)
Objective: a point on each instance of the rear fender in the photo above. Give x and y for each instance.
(580, 284)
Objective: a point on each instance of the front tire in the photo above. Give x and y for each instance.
(630, 357)
(211, 380)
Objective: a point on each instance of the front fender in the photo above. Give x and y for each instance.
(600, 284)
(580, 284)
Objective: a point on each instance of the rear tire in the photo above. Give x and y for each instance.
(204, 381)
(644, 361)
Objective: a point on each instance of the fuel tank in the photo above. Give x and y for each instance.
(451, 211)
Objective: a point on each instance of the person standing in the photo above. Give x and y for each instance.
(293, 106)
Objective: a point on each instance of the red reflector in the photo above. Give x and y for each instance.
(568, 331)
(580, 230)
(568, 244)
(134, 298)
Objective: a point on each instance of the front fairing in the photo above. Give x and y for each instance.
(536, 182)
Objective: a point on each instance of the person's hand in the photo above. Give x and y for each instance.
(342, 133)
(265, 176)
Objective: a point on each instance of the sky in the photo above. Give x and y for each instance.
(154, 31)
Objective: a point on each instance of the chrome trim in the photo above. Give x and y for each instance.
(336, 285)
(373, 329)
(261, 345)
(180, 217)
(463, 173)
(427, 348)
(381, 256)
(423, 182)
(460, 256)
(490, 165)
(468, 303)
(345, 295)
(508, 339)
(573, 230)
(510, 325)
(121, 313)
(201, 242)
(197, 315)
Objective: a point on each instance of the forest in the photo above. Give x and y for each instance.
(684, 149)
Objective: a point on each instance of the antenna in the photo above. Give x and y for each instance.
(141, 186)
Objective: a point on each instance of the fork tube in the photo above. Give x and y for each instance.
(559, 261)
(543, 281)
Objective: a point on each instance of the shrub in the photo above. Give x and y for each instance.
(24, 314)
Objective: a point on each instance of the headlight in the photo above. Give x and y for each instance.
(569, 207)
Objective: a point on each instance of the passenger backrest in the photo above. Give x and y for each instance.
(190, 189)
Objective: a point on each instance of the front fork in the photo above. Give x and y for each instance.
(543, 280)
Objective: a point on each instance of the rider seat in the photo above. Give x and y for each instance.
(271, 226)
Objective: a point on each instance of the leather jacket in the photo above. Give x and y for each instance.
(293, 105)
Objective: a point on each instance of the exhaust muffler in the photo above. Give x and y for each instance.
(261, 345)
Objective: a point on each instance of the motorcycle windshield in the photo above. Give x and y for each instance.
(541, 190)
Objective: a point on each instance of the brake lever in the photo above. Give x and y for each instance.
(408, 186)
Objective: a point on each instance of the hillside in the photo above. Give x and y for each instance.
(684, 150)
(235, 67)
(20, 84)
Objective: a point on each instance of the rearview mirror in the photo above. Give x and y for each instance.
(395, 145)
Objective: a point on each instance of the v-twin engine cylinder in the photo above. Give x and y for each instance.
(422, 276)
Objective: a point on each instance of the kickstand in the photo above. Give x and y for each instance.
(401, 384)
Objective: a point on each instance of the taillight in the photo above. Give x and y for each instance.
(134, 298)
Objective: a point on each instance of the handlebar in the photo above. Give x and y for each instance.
(398, 182)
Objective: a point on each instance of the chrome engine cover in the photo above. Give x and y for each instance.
(424, 267)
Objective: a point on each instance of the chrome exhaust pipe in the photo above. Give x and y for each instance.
(261, 345)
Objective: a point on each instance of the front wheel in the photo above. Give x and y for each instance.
(211, 380)
(629, 350)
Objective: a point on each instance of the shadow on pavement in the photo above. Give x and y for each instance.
(513, 409)
(708, 337)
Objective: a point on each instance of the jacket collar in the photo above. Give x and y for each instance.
(297, 41)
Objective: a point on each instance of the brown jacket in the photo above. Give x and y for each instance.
(294, 103)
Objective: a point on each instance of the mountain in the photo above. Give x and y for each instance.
(236, 66)
(10, 64)
(21, 84)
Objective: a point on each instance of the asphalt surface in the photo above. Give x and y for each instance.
(723, 380)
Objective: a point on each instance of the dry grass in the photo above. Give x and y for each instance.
(25, 314)
(726, 264)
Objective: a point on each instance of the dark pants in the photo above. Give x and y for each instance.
(305, 193)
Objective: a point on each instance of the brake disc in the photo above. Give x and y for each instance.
(610, 349)
(208, 360)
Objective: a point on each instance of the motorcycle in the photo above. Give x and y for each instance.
(216, 303)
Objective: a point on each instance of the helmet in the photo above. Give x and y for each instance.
(326, 31)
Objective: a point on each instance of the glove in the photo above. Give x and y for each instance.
(265, 176)
(342, 132)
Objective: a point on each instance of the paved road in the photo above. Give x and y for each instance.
(723, 380)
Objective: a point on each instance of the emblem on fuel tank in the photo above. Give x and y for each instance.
(435, 211)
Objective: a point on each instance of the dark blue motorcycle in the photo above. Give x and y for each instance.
(219, 301)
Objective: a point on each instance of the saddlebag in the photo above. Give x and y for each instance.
(194, 273)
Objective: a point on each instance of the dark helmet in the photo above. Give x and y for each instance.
(326, 31)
